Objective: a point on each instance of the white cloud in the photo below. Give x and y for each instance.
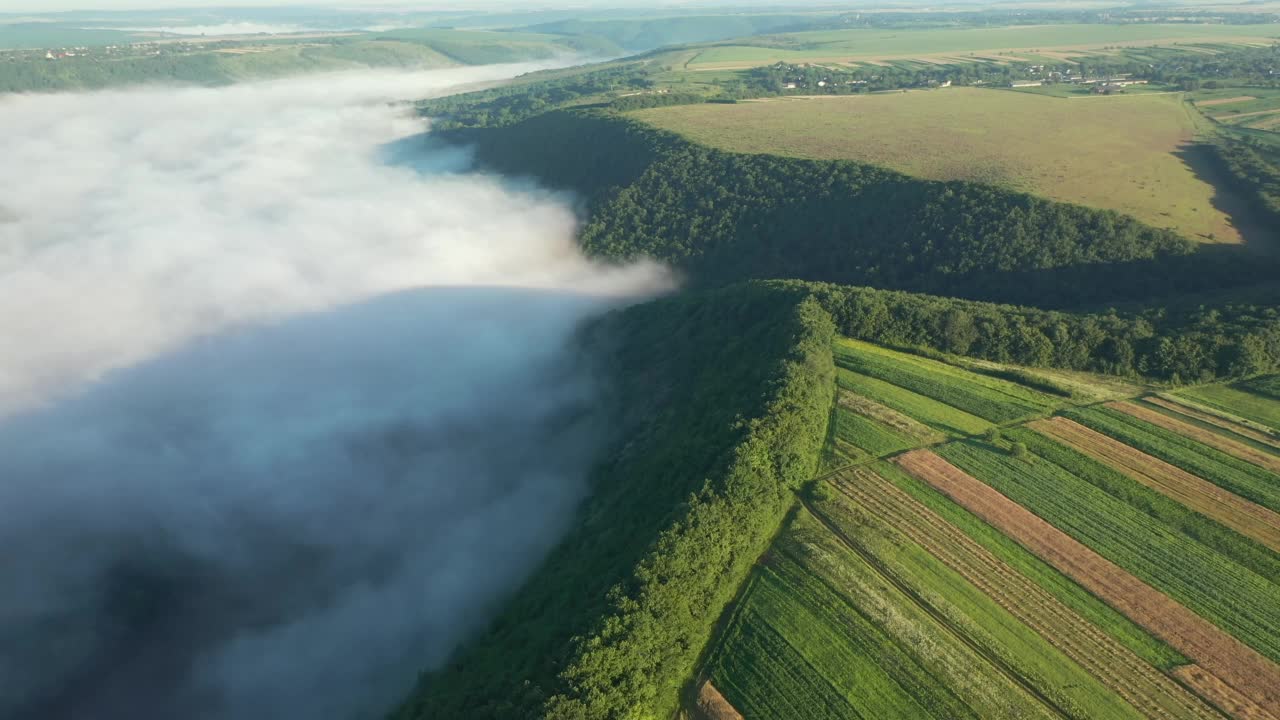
(281, 413)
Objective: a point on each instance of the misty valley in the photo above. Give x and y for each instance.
(708, 361)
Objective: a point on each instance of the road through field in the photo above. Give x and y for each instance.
(1213, 650)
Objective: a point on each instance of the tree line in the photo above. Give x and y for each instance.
(1180, 344)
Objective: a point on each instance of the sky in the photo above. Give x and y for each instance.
(42, 6)
(38, 6)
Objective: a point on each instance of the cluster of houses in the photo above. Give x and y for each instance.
(1099, 85)
(109, 51)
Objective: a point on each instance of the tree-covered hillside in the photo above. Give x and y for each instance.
(721, 403)
(723, 217)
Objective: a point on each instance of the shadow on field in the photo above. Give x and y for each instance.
(1228, 199)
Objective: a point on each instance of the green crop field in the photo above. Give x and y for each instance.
(1116, 153)
(946, 44)
(1062, 588)
(1238, 600)
(819, 634)
(970, 612)
(857, 436)
(997, 401)
(1245, 479)
(880, 579)
(1245, 551)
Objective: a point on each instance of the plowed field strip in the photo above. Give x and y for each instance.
(1220, 654)
(1142, 686)
(1205, 417)
(1235, 512)
(1221, 694)
(1212, 439)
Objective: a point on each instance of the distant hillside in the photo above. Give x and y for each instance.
(723, 217)
(225, 62)
(649, 33)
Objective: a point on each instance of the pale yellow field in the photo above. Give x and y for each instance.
(1119, 153)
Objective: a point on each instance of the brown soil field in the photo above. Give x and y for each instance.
(1225, 101)
(711, 705)
(1207, 417)
(1221, 694)
(1204, 497)
(1245, 452)
(1213, 650)
(1144, 687)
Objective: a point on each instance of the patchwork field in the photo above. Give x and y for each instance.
(1127, 154)
(978, 546)
(1253, 108)
(873, 44)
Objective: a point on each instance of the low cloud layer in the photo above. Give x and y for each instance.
(287, 402)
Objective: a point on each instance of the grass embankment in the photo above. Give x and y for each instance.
(723, 399)
(1120, 153)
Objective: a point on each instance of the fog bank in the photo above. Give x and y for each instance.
(288, 401)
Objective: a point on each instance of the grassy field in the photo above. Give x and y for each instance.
(952, 43)
(1119, 153)
(1249, 401)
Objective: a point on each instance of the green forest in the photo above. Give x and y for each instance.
(702, 474)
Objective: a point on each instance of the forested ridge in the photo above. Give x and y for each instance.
(723, 217)
(722, 400)
(721, 394)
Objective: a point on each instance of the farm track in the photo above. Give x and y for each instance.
(1243, 516)
(944, 622)
(1212, 439)
(1217, 653)
(1148, 690)
(1206, 417)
